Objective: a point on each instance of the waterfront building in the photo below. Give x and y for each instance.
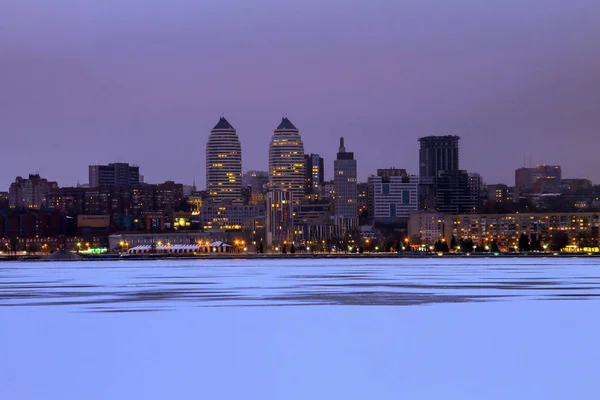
(224, 163)
(125, 240)
(426, 227)
(580, 229)
(114, 174)
(286, 161)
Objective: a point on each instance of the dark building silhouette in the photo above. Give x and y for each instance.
(115, 174)
(443, 186)
(437, 155)
(314, 175)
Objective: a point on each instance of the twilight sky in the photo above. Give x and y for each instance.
(144, 81)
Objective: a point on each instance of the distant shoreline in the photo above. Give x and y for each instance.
(303, 256)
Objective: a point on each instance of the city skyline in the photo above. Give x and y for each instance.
(363, 176)
(527, 84)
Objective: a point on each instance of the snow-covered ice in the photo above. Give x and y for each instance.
(301, 329)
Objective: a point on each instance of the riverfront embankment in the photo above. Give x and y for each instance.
(251, 256)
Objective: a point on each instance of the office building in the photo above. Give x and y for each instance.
(223, 163)
(443, 186)
(541, 179)
(229, 217)
(115, 174)
(345, 183)
(314, 175)
(457, 193)
(387, 172)
(286, 161)
(437, 155)
(392, 198)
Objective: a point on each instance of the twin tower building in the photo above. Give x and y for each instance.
(287, 167)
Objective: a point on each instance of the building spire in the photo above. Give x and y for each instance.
(342, 147)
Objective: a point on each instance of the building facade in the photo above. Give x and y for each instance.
(541, 179)
(392, 198)
(345, 183)
(506, 229)
(258, 181)
(227, 216)
(279, 218)
(314, 175)
(286, 161)
(30, 193)
(115, 174)
(437, 155)
(223, 163)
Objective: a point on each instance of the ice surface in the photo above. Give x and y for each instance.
(300, 329)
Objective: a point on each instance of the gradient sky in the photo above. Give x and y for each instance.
(144, 81)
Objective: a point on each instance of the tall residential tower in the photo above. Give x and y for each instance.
(286, 161)
(224, 163)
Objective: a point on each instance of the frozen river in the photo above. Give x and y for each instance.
(301, 329)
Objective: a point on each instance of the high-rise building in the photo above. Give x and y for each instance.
(454, 194)
(280, 218)
(223, 163)
(437, 155)
(443, 186)
(345, 184)
(286, 160)
(392, 197)
(114, 174)
(314, 175)
(475, 183)
(30, 192)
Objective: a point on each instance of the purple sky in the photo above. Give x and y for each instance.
(144, 81)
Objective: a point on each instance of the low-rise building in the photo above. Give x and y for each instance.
(226, 216)
(505, 229)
